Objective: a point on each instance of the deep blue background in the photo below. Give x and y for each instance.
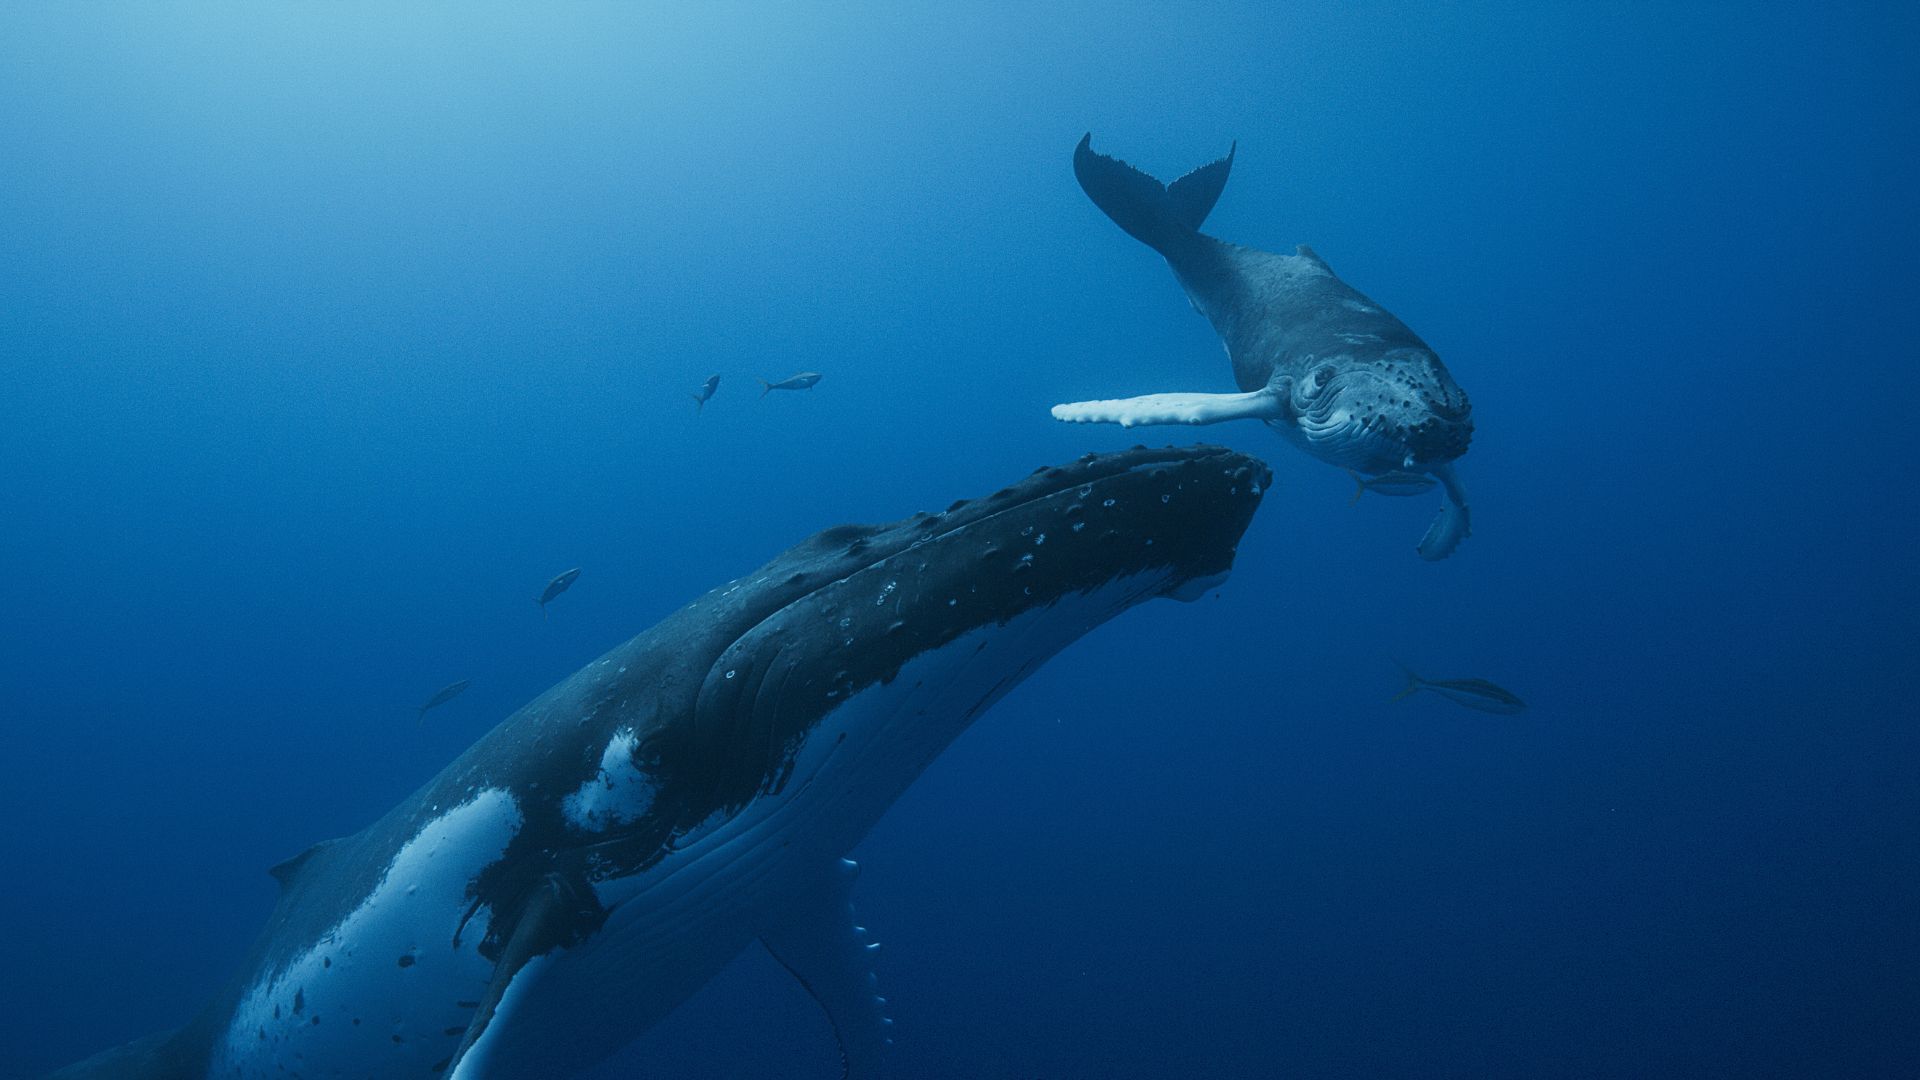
(327, 335)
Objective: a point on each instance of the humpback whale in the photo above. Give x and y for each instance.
(598, 856)
(1330, 370)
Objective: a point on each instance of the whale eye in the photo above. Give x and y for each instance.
(1322, 375)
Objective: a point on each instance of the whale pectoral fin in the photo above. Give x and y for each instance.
(1448, 529)
(832, 957)
(1175, 409)
(1452, 524)
(541, 927)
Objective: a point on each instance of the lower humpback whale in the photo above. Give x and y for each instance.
(1330, 370)
(604, 851)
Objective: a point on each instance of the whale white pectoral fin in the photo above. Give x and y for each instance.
(540, 928)
(817, 940)
(1175, 409)
(1452, 524)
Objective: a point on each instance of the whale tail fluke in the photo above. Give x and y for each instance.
(765, 387)
(1359, 487)
(1158, 215)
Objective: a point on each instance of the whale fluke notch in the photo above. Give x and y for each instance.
(1194, 195)
(288, 870)
(1452, 524)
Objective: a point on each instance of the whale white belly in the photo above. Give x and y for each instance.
(385, 992)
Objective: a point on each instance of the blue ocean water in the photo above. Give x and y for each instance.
(329, 333)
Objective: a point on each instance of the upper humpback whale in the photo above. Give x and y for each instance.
(605, 850)
(1323, 365)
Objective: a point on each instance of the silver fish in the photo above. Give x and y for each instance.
(802, 381)
(1478, 694)
(1390, 483)
(445, 694)
(705, 393)
(555, 587)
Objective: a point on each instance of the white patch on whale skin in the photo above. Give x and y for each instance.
(685, 917)
(682, 919)
(377, 994)
(619, 794)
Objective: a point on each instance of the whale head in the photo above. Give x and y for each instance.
(793, 705)
(894, 638)
(1399, 410)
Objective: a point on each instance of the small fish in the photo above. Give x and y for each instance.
(1473, 693)
(1390, 483)
(705, 393)
(802, 381)
(554, 588)
(447, 693)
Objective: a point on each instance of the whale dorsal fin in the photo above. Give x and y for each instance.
(1306, 252)
(286, 872)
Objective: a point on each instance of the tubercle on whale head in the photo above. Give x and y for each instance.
(1398, 410)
